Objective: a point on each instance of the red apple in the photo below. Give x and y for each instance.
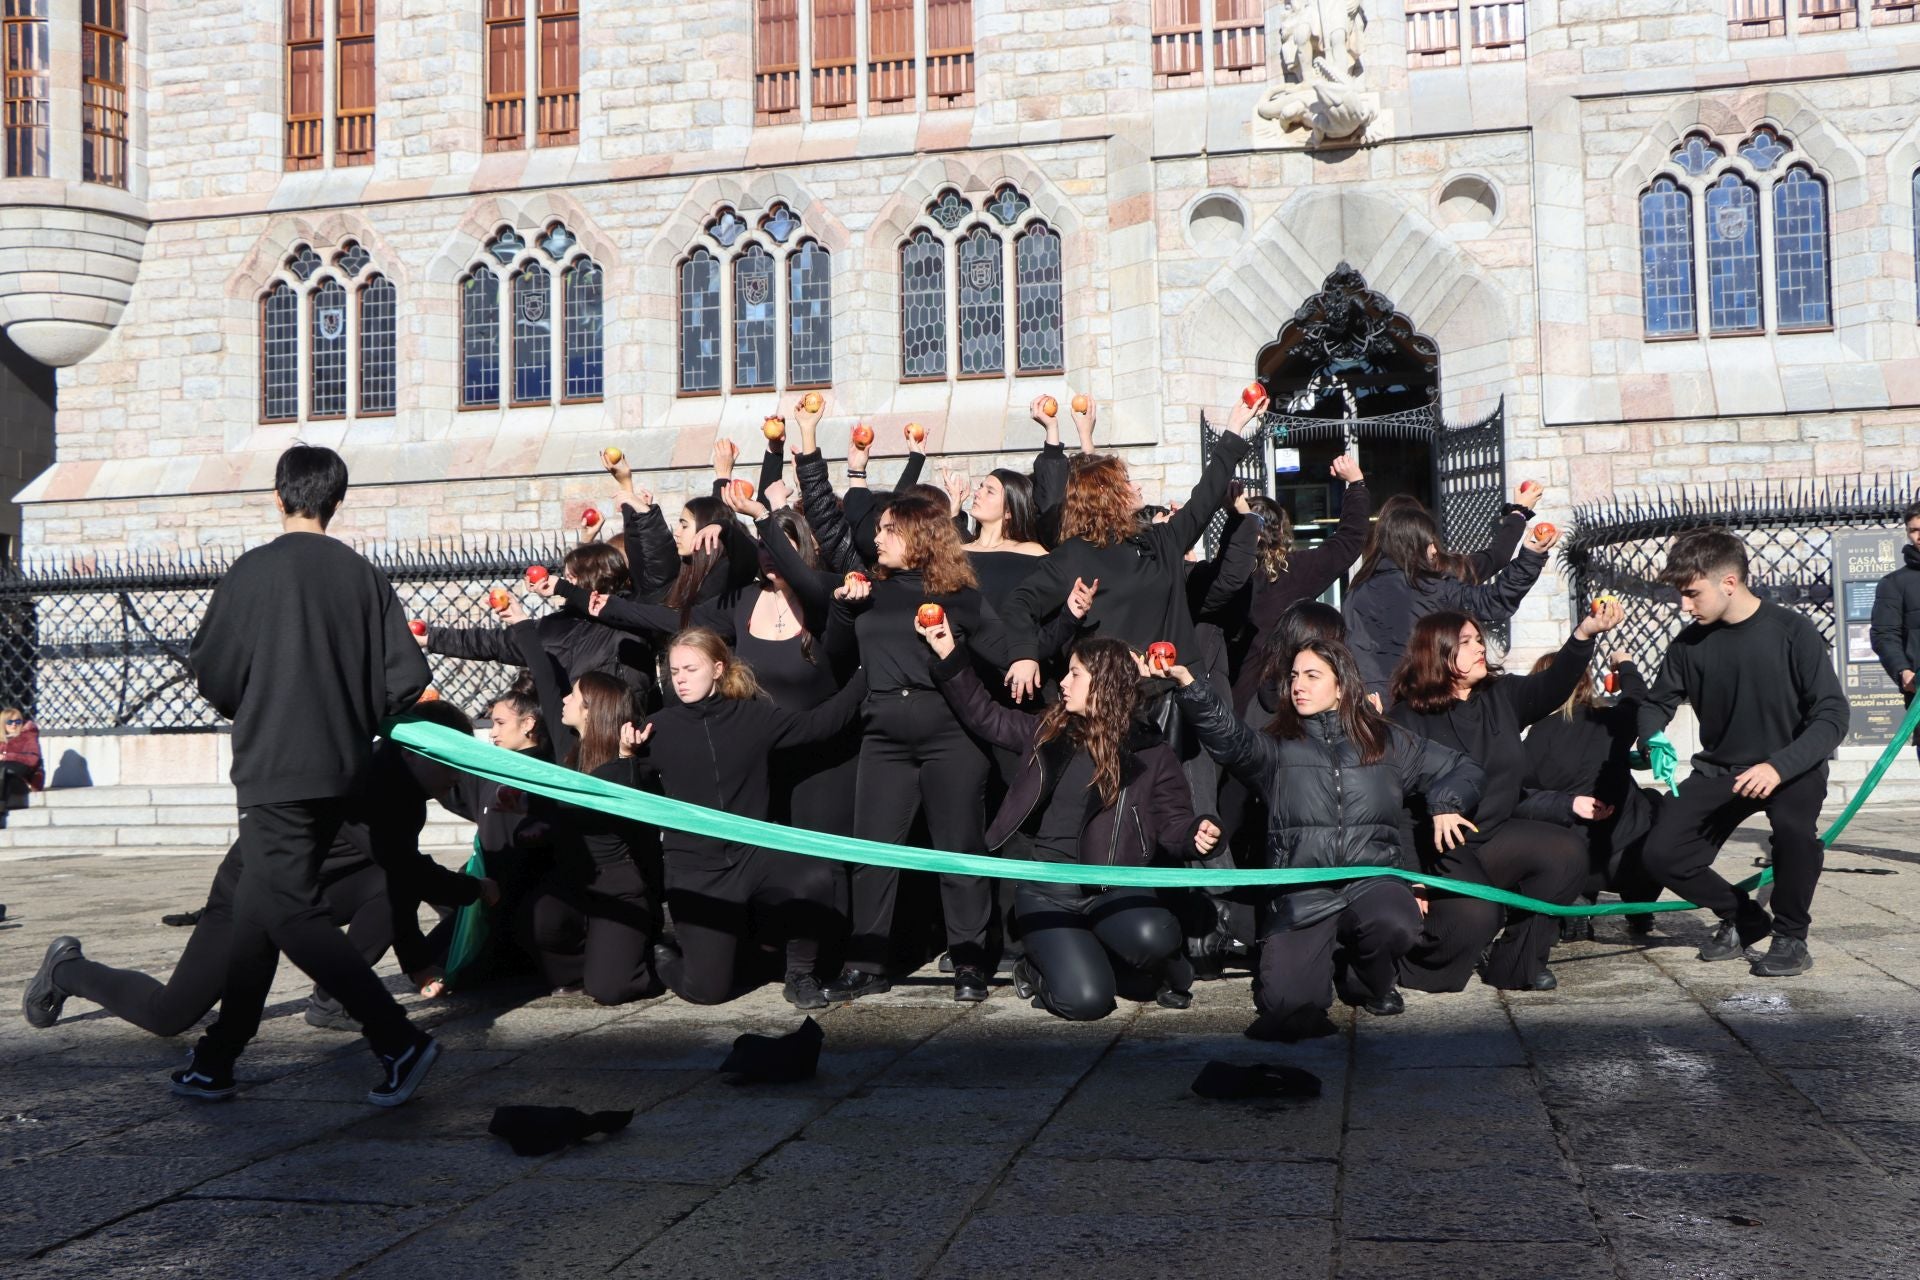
(590, 517)
(499, 598)
(612, 455)
(862, 435)
(1600, 601)
(1543, 531)
(915, 432)
(812, 402)
(774, 428)
(537, 574)
(418, 627)
(1253, 395)
(1613, 682)
(1161, 653)
(930, 615)
(741, 489)
(855, 576)
(429, 695)
(1049, 407)
(1081, 404)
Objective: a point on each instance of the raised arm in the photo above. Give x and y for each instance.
(1537, 696)
(1311, 572)
(814, 588)
(1212, 586)
(824, 514)
(652, 562)
(1497, 599)
(1506, 539)
(1188, 523)
(975, 708)
(406, 674)
(476, 644)
(1250, 756)
(655, 621)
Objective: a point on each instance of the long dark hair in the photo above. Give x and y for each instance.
(1021, 523)
(1366, 728)
(610, 704)
(1303, 622)
(800, 535)
(523, 699)
(1424, 679)
(1116, 681)
(1402, 531)
(685, 592)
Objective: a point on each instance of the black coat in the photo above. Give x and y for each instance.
(1896, 617)
(579, 644)
(1587, 755)
(1153, 821)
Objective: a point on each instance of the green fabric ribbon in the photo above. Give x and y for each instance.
(468, 754)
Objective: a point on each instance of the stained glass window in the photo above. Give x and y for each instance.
(532, 335)
(506, 246)
(1039, 342)
(557, 241)
(329, 351)
(699, 323)
(726, 228)
(1733, 256)
(753, 318)
(1697, 154)
(379, 368)
(280, 354)
(480, 338)
(1800, 251)
(983, 312)
(923, 306)
(1764, 149)
(586, 370)
(809, 317)
(303, 261)
(1666, 258)
(1008, 204)
(780, 223)
(950, 209)
(353, 258)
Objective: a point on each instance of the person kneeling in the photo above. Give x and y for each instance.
(1090, 792)
(1335, 775)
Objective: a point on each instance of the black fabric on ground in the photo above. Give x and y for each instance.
(1231, 1081)
(539, 1131)
(757, 1059)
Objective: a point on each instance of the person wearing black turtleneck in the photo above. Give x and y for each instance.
(1896, 615)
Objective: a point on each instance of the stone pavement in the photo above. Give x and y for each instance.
(1653, 1117)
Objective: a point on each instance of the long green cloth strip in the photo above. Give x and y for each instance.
(463, 752)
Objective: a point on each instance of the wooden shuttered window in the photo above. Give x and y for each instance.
(1239, 40)
(1433, 33)
(949, 53)
(889, 56)
(29, 103)
(103, 74)
(776, 67)
(559, 106)
(354, 85)
(835, 64)
(505, 102)
(1179, 43)
(306, 84)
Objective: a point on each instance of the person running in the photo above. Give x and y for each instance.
(1335, 776)
(1895, 630)
(306, 649)
(1771, 712)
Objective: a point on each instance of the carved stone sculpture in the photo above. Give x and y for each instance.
(1323, 93)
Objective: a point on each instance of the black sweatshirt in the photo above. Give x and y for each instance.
(1485, 727)
(893, 653)
(305, 648)
(1765, 691)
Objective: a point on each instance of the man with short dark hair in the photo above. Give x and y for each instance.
(1771, 712)
(305, 648)
(1896, 615)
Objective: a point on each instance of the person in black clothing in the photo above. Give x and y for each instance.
(1335, 776)
(515, 827)
(913, 753)
(1407, 572)
(711, 748)
(1771, 712)
(1579, 776)
(1447, 692)
(306, 649)
(1093, 788)
(1895, 629)
(592, 920)
(845, 529)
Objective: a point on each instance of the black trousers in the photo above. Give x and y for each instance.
(915, 755)
(1296, 968)
(597, 936)
(1697, 819)
(357, 900)
(718, 907)
(278, 908)
(1083, 949)
(1537, 859)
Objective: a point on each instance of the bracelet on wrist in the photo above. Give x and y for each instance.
(856, 475)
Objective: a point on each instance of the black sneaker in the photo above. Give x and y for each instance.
(405, 1071)
(1576, 928)
(803, 991)
(1726, 944)
(969, 983)
(44, 996)
(1023, 983)
(1786, 958)
(1543, 981)
(206, 1081)
(852, 984)
(1388, 1005)
(1640, 925)
(327, 1013)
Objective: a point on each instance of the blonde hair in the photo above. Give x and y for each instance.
(736, 678)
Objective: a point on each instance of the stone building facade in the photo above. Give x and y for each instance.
(1205, 164)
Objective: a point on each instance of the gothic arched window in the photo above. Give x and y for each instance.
(280, 354)
(810, 316)
(532, 335)
(1733, 256)
(585, 354)
(983, 311)
(1040, 341)
(923, 306)
(325, 329)
(779, 305)
(753, 319)
(699, 324)
(1666, 258)
(379, 363)
(480, 339)
(997, 329)
(1800, 275)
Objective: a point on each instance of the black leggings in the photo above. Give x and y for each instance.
(357, 900)
(915, 754)
(1074, 943)
(1380, 924)
(716, 908)
(597, 936)
(1699, 817)
(1537, 859)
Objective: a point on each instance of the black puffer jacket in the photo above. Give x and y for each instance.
(1324, 807)
(1896, 617)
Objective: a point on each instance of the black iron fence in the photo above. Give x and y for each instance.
(1621, 546)
(98, 645)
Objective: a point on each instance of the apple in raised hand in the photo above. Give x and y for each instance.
(930, 615)
(812, 402)
(1253, 394)
(862, 435)
(418, 627)
(1543, 531)
(590, 517)
(774, 428)
(613, 455)
(1162, 654)
(536, 574)
(915, 432)
(742, 489)
(1081, 404)
(1050, 406)
(499, 598)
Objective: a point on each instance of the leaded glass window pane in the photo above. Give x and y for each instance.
(950, 209)
(1733, 257)
(586, 370)
(480, 339)
(1007, 205)
(506, 246)
(1764, 149)
(532, 335)
(557, 241)
(1697, 155)
(1666, 258)
(303, 261)
(280, 355)
(923, 306)
(353, 259)
(329, 351)
(726, 228)
(780, 223)
(983, 311)
(1800, 251)
(753, 318)
(810, 317)
(699, 323)
(1040, 342)
(379, 366)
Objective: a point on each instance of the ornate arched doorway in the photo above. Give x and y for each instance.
(1348, 369)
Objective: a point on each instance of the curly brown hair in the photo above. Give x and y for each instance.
(932, 544)
(1424, 679)
(1103, 730)
(1275, 543)
(1099, 505)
